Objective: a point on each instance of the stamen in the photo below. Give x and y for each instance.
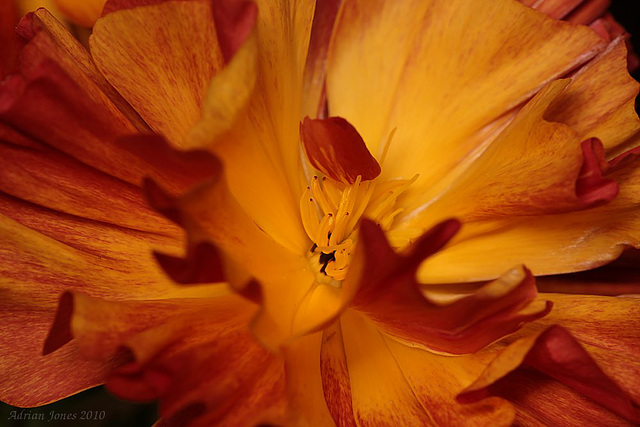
(331, 212)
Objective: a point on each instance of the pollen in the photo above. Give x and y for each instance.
(331, 212)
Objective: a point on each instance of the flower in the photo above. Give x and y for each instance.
(292, 308)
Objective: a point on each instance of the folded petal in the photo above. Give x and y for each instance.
(390, 296)
(130, 48)
(441, 61)
(307, 405)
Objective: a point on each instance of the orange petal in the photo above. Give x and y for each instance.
(335, 148)
(442, 61)
(70, 254)
(28, 378)
(44, 37)
(56, 181)
(620, 277)
(129, 47)
(608, 328)
(390, 296)
(556, 353)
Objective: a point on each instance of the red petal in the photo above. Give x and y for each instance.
(234, 20)
(390, 295)
(591, 186)
(8, 53)
(335, 148)
(203, 264)
(315, 68)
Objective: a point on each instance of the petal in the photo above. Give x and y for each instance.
(548, 244)
(335, 376)
(335, 148)
(532, 167)
(608, 328)
(131, 48)
(620, 277)
(210, 213)
(8, 55)
(72, 254)
(390, 296)
(556, 353)
(28, 378)
(376, 397)
(171, 343)
(403, 395)
(261, 150)
(56, 181)
(83, 13)
(316, 67)
(44, 37)
(445, 64)
(307, 405)
(599, 101)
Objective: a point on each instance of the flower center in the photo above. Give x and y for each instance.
(331, 212)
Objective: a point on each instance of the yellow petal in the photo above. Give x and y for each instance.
(547, 244)
(81, 12)
(304, 382)
(261, 150)
(599, 101)
(160, 58)
(445, 64)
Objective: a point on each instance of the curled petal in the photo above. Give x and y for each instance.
(335, 148)
(390, 296)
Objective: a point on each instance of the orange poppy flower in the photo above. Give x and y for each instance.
(307, 270)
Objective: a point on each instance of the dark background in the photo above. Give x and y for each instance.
(124, 414)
